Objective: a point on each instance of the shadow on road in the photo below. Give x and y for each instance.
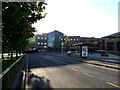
(43, 61)
(36, 82)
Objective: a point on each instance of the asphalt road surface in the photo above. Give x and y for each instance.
(45, 71)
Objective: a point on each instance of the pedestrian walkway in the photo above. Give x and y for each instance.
(95, 59)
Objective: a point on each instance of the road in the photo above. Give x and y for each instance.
(45, 71)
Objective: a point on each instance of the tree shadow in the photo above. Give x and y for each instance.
(36, 82)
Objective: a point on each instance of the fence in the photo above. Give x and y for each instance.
(7, 76)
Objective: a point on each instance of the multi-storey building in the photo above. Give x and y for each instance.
(39, 42)
(111, 43)
(54, 36)
(94, 43)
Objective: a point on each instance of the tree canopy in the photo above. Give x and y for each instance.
(17, 20)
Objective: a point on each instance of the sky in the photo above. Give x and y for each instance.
(85, 18)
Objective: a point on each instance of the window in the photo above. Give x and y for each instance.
(45, 46)
(118, 46)
(64, 39)
(44, 43)
(41, 37)
(38, 37)
(62, 44)
(45, 38)
(74, 39)
(38, 43)
(82, 40)
(61, 38)
(41, 43)
(91, 40)
(110, 46)
(71, 39)
(77, 39)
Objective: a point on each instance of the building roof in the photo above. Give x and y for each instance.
(56, 31)
(112, 35)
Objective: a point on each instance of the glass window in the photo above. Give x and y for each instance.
(74, 39)
(41, 37)
(61, 38)
(82, 40)
(77, 39)
(41, 43)
(45, 46)
(38, 37)
(38, 43)
(45, 38)
(118, 46)
(91, 40)
(110, 46)
(71, 39)
(44, 43)
(64, 39)
(62, 43)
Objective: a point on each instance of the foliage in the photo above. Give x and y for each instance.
(16, 23)
(54, 46)
(67, 44)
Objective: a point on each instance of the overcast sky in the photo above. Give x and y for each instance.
(85, 18)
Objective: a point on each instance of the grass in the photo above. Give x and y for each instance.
(9, 77)
(7, 62)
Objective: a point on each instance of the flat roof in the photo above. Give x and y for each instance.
(80, 44)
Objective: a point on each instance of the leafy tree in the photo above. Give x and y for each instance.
(16, 24)
(54, 46)
(67, 44)
(59, 46)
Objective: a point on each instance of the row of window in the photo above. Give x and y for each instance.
(82, 40)
(63, 39)
(110, 46)
(42, 38)
(41, 43)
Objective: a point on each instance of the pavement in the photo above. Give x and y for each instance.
(112, 62)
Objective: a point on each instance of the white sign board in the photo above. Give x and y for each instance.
(84, 51)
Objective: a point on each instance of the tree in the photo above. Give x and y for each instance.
(54, 46)
(67, 44)
(59, 46)
(16, 24)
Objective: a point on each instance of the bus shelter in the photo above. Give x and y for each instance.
(80, 49)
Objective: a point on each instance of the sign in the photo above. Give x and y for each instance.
(84, 51)
(32, 40)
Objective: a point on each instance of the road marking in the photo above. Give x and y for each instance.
(26, 86)
(88, 75)
(113, 85)
(73, 69)
(76, 67)
(104, 67)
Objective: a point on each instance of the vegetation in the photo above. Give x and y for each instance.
(17, 18)
(67, 44)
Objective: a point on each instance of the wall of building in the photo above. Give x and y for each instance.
(54, 36)
(41, 43)
(95, 43)
(112, 45)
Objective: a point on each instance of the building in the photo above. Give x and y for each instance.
(94, 43)
(38, 42)
(53, 36)
(111, 43)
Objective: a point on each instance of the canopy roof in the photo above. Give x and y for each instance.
(80, 44)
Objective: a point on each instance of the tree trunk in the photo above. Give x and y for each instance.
(16, 55)
(11, 58)
(2, 55)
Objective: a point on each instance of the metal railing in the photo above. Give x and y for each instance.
(8, 75)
